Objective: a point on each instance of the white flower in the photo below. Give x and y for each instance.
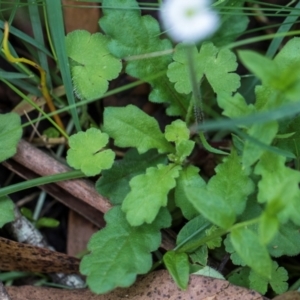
(189, 20)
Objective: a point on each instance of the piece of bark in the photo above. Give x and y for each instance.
(72, 201)
(17, 256)
(43, 164)
(157, 285)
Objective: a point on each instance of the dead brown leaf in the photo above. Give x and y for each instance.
(155, 286)
(23, 257)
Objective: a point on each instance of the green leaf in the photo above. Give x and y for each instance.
(287, 56)
(119, 251)
(183, 149)
(278, 281)
(229, 176)
(262, 132)
(235, 258)
(200, 256)
(278, 186)
(291, 142)
(278, 74)
(188, 177)
(267, 99)
(251, 250)
(219, 201)
(131, 127)
(241, 277)
(192, 231)
(263, 67)
(212, 206)
(27, 213)
(178, 266)
(286, 241)
(51, 132)
(114, 183)
(6, 210)
(86, 152)
(216, 65)
(288, 62)
(92, 65)
(215, 243)
(209, 272)
(294, 212)
(234, 106)
(10, 134)
(144, 40)
(252, 211)
(149, 192)
(268, 227)
(234, 23)
(177, 132)
(275, 177)
(47, 222)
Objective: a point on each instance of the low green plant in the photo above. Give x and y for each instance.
(250, 206)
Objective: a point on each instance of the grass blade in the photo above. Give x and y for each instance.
(26, 38)
(56, 26)
(37, 28)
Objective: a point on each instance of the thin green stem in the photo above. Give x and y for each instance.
(261, 38)
(198, 102)
(197, 97)
(245, 224)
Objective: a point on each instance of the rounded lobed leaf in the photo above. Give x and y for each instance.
(10, 134)
(144, 38)
(92, 64)
(177, 131)
(86, 152)
(217, 66)
(119, 252)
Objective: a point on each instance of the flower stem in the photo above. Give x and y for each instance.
(197, 96)
(198, 102)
